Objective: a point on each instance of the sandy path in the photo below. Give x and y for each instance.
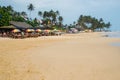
(87, 57)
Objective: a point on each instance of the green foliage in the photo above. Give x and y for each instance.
(49, 18)
(7, 14)
(57, 27)
(33, 23)
(88, 22)
(30, 8)
(18, 18)
(4, 16)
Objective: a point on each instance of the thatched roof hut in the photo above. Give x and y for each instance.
(20, 25)
(15, 25)
(6, 28)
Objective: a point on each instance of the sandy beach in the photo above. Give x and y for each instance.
(83, 56)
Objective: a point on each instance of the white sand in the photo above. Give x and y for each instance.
(84, 56)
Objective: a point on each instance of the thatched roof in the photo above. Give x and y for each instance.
(9, 27)
(20, 25)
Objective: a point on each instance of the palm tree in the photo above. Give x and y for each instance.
(45, 14)
(40, 13)
(101, 24)
(10, 9)
(101, 20)
(54, 20)
(30, 8)
(16, 14)
(23, 13)
(107, 26)
(74, 24)
(57, 12)
(94, 24)
(60, 18)
(52, 17)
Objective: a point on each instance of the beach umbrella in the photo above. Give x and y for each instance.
(30, 30)
(38, 30)
(47, 31)
(16, 30)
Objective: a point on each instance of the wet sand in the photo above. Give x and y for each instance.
(84, 56)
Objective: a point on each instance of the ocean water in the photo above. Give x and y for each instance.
(113, 34)
(115, 44)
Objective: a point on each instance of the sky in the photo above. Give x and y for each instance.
(109, 10)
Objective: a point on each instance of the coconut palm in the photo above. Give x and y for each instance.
(57, 12)
(40, 13)
(52, 16)
(54, 20)
(60, 18)
(10, 9)
(45, 14)
(30, 8)
(16, 14)
(107, 26)
(23, 13)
